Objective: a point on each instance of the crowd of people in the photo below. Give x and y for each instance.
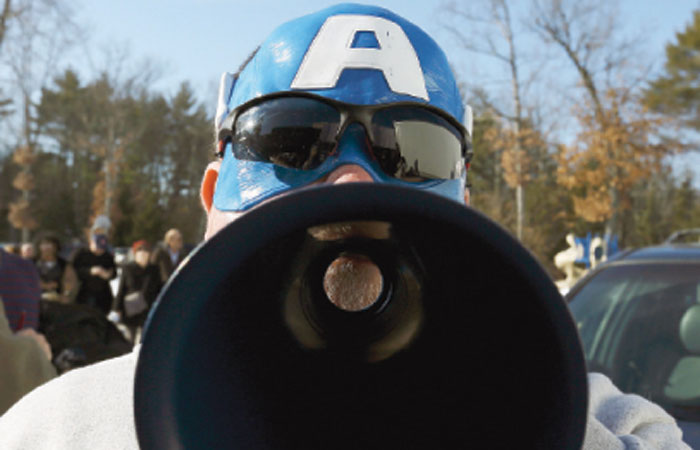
(48, 296)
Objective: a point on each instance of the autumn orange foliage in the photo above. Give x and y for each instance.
(20, 212)
(513, 146)
(20, 215)
(615, 150)
(23, 181)
(24, 156)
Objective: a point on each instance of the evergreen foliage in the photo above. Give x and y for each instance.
(160, 147)
(676, 92)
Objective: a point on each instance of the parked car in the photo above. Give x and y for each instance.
(639, 320)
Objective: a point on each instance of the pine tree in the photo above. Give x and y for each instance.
(677, 91)
(684, 204)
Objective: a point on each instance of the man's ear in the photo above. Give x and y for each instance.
(206, 191)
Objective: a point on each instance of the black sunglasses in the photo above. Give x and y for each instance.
(409, 141)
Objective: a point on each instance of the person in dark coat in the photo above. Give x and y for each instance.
(138, 276)
(170, 255)
(51, 268)
(19, 292)
(95, 267)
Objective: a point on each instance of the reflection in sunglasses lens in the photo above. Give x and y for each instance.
(297, 133)
(408, 142)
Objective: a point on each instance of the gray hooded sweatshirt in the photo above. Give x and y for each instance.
(92, 408)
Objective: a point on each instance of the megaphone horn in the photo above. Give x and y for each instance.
(361, 316)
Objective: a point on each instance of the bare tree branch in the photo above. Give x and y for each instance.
(4, 17)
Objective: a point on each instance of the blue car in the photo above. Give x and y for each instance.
(639, 321)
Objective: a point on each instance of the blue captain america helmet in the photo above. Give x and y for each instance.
(349, 53)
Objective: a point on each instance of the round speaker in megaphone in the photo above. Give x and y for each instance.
(361, 316)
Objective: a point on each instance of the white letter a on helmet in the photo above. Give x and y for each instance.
(330, 53)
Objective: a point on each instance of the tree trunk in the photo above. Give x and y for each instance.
(26, 232)
(4, 17)
(507, 31)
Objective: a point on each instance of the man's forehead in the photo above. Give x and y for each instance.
(357, 54)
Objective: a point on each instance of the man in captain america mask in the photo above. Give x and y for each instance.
(351, 93)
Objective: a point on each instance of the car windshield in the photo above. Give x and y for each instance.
(640, 325)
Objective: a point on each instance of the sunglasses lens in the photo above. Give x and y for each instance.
(298, 133)
(415, 144)
(409, 142)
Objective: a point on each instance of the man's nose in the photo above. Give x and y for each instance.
(350, 173)
(355, 142)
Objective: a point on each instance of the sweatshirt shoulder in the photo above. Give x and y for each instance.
(627, 421)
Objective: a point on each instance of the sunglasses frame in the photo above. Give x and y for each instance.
(349, 113)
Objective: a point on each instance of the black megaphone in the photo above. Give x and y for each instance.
(466, 343)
